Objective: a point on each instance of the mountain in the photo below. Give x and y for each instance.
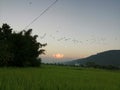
(111, 57)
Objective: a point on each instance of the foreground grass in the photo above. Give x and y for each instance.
(58, 78)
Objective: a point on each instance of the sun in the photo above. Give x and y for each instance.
(58, 55)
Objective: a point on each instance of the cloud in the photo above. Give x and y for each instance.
(58, 55)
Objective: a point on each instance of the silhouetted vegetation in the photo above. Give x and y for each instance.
(94, 65)
(19, 49)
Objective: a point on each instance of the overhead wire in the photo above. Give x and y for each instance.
(42, 13)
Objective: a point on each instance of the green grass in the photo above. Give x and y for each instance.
(58, 78)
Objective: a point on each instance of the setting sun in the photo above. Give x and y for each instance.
(58, 55)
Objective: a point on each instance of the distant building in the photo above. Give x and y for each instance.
(77, 64)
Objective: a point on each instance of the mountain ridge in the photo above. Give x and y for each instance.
(110, 57)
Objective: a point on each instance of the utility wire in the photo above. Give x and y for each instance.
(42, 13)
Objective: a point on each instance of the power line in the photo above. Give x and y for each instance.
(42, 13)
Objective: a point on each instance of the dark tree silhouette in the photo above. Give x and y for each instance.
(19, 49)
(5, 45)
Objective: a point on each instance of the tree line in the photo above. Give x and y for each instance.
(19, 49)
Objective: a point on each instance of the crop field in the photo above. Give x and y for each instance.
(50, 77)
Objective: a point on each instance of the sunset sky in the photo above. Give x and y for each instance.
(72, 28)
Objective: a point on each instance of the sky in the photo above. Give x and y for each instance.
(72, 29)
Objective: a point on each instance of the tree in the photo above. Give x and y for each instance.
(91, 64)
(19, 49)
(5, 45)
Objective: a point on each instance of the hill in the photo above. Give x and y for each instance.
(111, 57)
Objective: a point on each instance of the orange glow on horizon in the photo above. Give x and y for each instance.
(58, 55)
